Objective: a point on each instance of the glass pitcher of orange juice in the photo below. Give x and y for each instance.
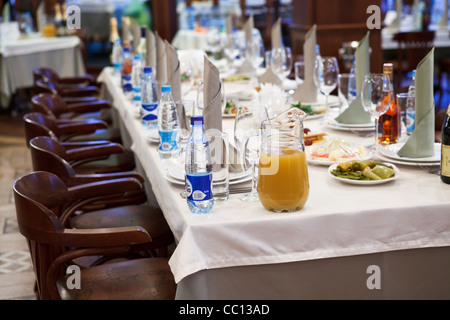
(283, 181)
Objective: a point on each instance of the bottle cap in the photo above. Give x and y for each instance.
(197, 119)
(138, 57)
(166, 89)
(147, 69)
(126, 49)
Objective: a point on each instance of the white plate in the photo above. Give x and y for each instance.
(365, 182)
(173, 177)
(327, 162)
(152, 137)
(390, 151)
(406, 163)
(334, 123)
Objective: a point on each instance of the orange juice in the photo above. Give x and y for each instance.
(287, 188)
(49, 30)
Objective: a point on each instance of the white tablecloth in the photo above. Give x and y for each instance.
(339, 220)
(18, 59)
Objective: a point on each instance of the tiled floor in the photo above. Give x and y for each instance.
(16, 273)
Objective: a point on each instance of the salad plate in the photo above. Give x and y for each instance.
(365, 182)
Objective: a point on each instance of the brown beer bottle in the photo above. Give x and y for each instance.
(389, 125)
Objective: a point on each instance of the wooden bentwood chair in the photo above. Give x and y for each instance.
(42, 203)
(125, 209)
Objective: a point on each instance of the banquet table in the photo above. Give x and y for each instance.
(18, 58)
(331, 249)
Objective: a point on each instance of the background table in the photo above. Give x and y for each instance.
(19, 57)
(324, 251)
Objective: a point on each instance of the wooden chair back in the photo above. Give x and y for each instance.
(37, 124)
(412, 48)
(50, 104)
(38, 198)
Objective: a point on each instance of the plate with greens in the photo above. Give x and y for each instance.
(366, 172)
(312, 111)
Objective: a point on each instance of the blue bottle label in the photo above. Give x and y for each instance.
(168, 140)
(126, 80)
(199, 186)
(410, 123)
(149, 107)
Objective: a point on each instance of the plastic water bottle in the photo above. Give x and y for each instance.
(168, 125)
(410, 105)
(149, 98)
(116, 56)
(352, 83)
(127, 68)
(198, 168)
(136, 74)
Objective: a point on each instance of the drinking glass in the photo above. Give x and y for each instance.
(281, 62)
(299, 69)
(219, 145)
(254, 52)
(376, 96)
(231, 47)
(187, 77)
(200, 102)
(326, 73)
(246, 135)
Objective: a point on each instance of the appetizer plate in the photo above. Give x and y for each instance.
(337, 155)
(390, 151)
(365, 182)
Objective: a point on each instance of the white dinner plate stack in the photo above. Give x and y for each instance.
(389, 153)
(176, 176)
(332, 123)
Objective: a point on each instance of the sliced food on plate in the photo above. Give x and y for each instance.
(336, 150)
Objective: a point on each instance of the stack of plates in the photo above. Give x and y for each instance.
(176, 176)
(389, 153)
(332, 123)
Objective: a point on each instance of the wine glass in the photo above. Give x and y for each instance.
(231, 47)
(187, 77)
(281, 62)
(254, 52)
(326, 71)
(199, 102)
(376, 96)
(246, 135)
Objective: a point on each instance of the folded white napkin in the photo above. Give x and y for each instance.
(308, 91)
(420, 143)
(150, 43)
(247, 66)
(161, 62)
(277, 42)
(212, 110)
(136, 36)
(355, 113)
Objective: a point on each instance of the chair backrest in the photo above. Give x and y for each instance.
(413, 46)
(45, 74)
(44, 86)
(50, 104)
(37, 124)
(47, 157)
(37, 197)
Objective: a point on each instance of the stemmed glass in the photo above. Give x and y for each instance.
(326, 73)
(247, 137)
(231, 47)
(376, 96)
(254, 52)
(281, 62)
(187, 77)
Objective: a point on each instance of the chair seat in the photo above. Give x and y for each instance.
(151, 280)
(149, 218)
(111, 134)
(103, 115)
(115, 163)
